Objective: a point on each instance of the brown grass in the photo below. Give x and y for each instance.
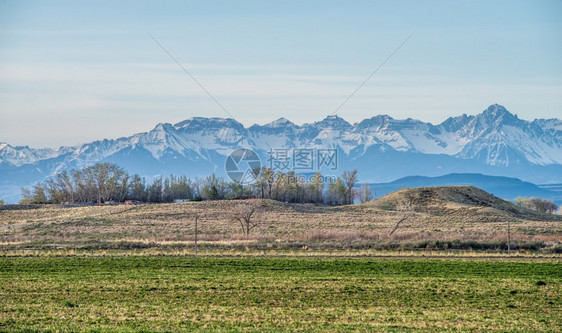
(281, 226)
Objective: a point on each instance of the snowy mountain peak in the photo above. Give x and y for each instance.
(163, 127)
(197, 123)
(376, 121)
(553, 125)
(21, 155)
(498, 114)
(333, 121)
(281, 122)
(453, 124)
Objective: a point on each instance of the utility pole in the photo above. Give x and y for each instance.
(196, 218)
(508, 237)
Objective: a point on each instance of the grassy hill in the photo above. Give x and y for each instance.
(466, 201)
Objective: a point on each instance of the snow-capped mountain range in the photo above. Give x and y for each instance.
(382, 148)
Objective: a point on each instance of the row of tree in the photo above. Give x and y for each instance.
(99, 183)
(106, 182)
(537, 204)
(292, 187)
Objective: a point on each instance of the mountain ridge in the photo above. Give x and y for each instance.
(462, 136)
(494, 142)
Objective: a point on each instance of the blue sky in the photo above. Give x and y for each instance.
(72, 72)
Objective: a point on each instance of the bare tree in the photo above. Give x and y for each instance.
(350, 178)
(551, 207)
(364, 193)
(336, 194)
(317, 187)
(265, 180)
(196, 220)
(243, 214)
(406, 206)
(536, 204)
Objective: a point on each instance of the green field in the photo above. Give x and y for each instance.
(278, 294)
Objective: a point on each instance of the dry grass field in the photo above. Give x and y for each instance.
(452, 218)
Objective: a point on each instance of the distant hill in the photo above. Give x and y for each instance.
(503, 187)
(457, 201)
